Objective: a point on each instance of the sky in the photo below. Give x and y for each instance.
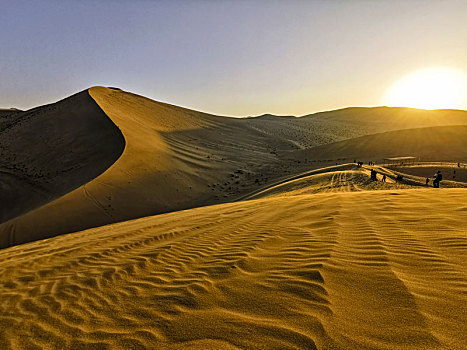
(233, 58)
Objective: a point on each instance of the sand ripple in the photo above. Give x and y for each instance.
(347, 270)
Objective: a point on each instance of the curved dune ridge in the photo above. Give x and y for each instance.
(50, 150)
(173, 158)
(342, 270)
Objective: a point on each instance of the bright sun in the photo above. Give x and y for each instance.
(432, 88)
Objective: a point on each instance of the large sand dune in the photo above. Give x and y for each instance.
(173, 158)
(48, 151)
(8, 111)
(335, 270)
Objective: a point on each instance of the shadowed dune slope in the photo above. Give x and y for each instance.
(50, 150)
(349, 270)
(434, 143)
(7, 111)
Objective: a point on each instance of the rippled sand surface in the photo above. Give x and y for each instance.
(335, 270)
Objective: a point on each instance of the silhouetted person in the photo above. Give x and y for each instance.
(384, 178)
(427, 181)
(437, 178)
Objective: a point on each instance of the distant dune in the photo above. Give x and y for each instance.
(75, 171)
(441, 143)
(327, 127)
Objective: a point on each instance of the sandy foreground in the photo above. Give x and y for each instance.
(268, 236)
(334, 270)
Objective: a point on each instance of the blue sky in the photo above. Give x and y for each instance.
(233, 58)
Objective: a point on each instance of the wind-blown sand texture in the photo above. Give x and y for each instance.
(342, 270)
(262, 241)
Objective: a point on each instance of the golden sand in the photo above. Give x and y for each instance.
(345, 270)
(262, 241)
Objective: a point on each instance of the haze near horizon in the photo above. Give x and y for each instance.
(236, 58)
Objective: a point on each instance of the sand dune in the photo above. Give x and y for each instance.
(312, 254)
(175, 158)
(334, 270)
(339, 178)
(451, 172)
(51, 150)
(442, 143)
(332, 126)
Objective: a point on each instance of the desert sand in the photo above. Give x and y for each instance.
(113, 156)
(154, 226)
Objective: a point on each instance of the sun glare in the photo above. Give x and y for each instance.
(432, 88)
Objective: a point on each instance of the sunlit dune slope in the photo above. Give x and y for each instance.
(332, 126)
(339, 178)
(348, 177)
(448, 143)
(348, 270)
(50, 150)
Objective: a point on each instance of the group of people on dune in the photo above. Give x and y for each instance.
(373, 177)
(436, 179)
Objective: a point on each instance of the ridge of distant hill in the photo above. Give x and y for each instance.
(439, 143)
